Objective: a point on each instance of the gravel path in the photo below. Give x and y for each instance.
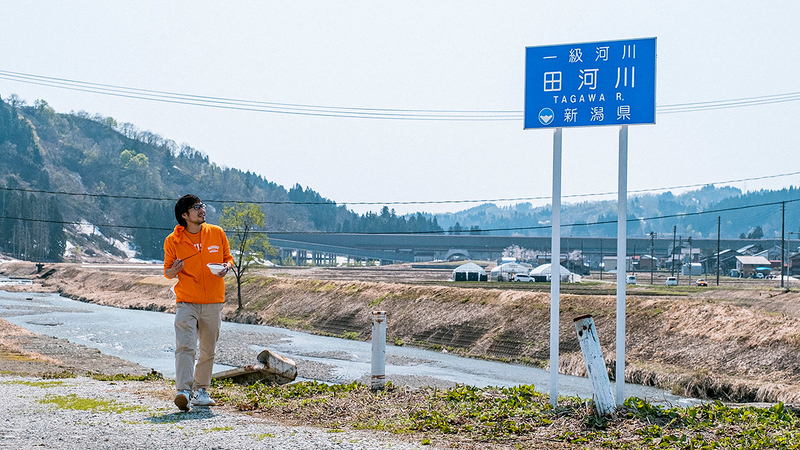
(134, 415)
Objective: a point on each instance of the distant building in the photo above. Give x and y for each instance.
(643, 263)
(610, 263)
(748, 265)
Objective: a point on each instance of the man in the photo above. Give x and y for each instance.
(200, 295)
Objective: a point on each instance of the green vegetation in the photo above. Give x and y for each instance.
(261, 437)
(72, 401)
(215, 429)
(352, 335)
(41, 384)
(242, 224)
(59, 375)
(520, 416)
(152, 376)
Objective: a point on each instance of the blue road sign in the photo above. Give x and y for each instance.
(591, 84)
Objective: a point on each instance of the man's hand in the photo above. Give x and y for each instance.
(173, 271)
(228, 267)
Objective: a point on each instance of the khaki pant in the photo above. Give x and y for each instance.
(195, 322)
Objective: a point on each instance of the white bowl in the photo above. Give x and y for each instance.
(216, 268)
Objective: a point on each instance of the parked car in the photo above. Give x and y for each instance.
(701, 282)
(631, 279)
(524, 278)
(671, 281)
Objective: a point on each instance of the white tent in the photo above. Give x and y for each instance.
(566, 275)
(505, 271)
(469, 272)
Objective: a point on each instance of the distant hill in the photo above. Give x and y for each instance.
(85, 184)
(660, 213)
(127, 182)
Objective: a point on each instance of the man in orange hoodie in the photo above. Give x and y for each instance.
(200, 295)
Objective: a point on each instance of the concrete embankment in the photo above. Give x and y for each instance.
(696, 345)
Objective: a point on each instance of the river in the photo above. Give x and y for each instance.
(147, 338)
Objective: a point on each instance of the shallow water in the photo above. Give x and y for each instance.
(147, 338)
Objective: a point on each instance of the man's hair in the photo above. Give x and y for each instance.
(182, 205)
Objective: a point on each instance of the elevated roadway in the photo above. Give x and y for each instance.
(427, 247)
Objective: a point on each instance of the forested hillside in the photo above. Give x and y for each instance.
(62, 169)
(692, 213)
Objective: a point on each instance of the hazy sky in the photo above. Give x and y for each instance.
(421, 55)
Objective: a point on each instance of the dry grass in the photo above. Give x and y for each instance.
(736, 343)
(11, 349)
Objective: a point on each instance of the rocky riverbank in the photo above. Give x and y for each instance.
(732, 344)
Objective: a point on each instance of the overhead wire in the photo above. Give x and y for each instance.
(410, 202)
(354, 112)
(258, 106)
(482, 230)
(351, 112)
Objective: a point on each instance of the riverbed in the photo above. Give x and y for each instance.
(147, 338)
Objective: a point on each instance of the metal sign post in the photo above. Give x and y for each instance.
(555, 267)
(622, 260)
(582, 85)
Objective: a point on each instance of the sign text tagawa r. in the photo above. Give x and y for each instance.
(590, 84)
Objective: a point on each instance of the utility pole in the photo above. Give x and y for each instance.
(680, 258)
(602, 261)
(674, 229)
(788, 256)
(719, 220)
(690, 259)
(783, 247)
(652, 255)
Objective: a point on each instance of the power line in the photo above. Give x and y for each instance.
(487, 230)
(256, 106)
(419, 202)
(352, 112)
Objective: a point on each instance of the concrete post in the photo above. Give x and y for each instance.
(378, 350)
(595, 365)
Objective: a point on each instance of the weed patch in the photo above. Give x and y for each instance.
(152, 376)
(519, 416)
(40, 384)
(72, 401)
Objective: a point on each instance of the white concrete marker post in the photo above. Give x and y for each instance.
(595, 364)
(378, 350)
(555, 265)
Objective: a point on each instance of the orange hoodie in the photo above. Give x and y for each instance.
(196, 283)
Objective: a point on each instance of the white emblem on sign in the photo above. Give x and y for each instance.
(546, 116)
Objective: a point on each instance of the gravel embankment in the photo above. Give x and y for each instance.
(60, 414)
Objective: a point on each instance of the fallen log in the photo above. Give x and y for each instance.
(272, 368)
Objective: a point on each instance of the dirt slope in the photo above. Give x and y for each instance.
(731, 344)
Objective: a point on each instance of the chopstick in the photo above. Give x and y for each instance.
(193, 254)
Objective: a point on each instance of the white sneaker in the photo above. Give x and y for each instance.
(182, 400)
(201, 398)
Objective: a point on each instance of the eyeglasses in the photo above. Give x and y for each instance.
(199, 206)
